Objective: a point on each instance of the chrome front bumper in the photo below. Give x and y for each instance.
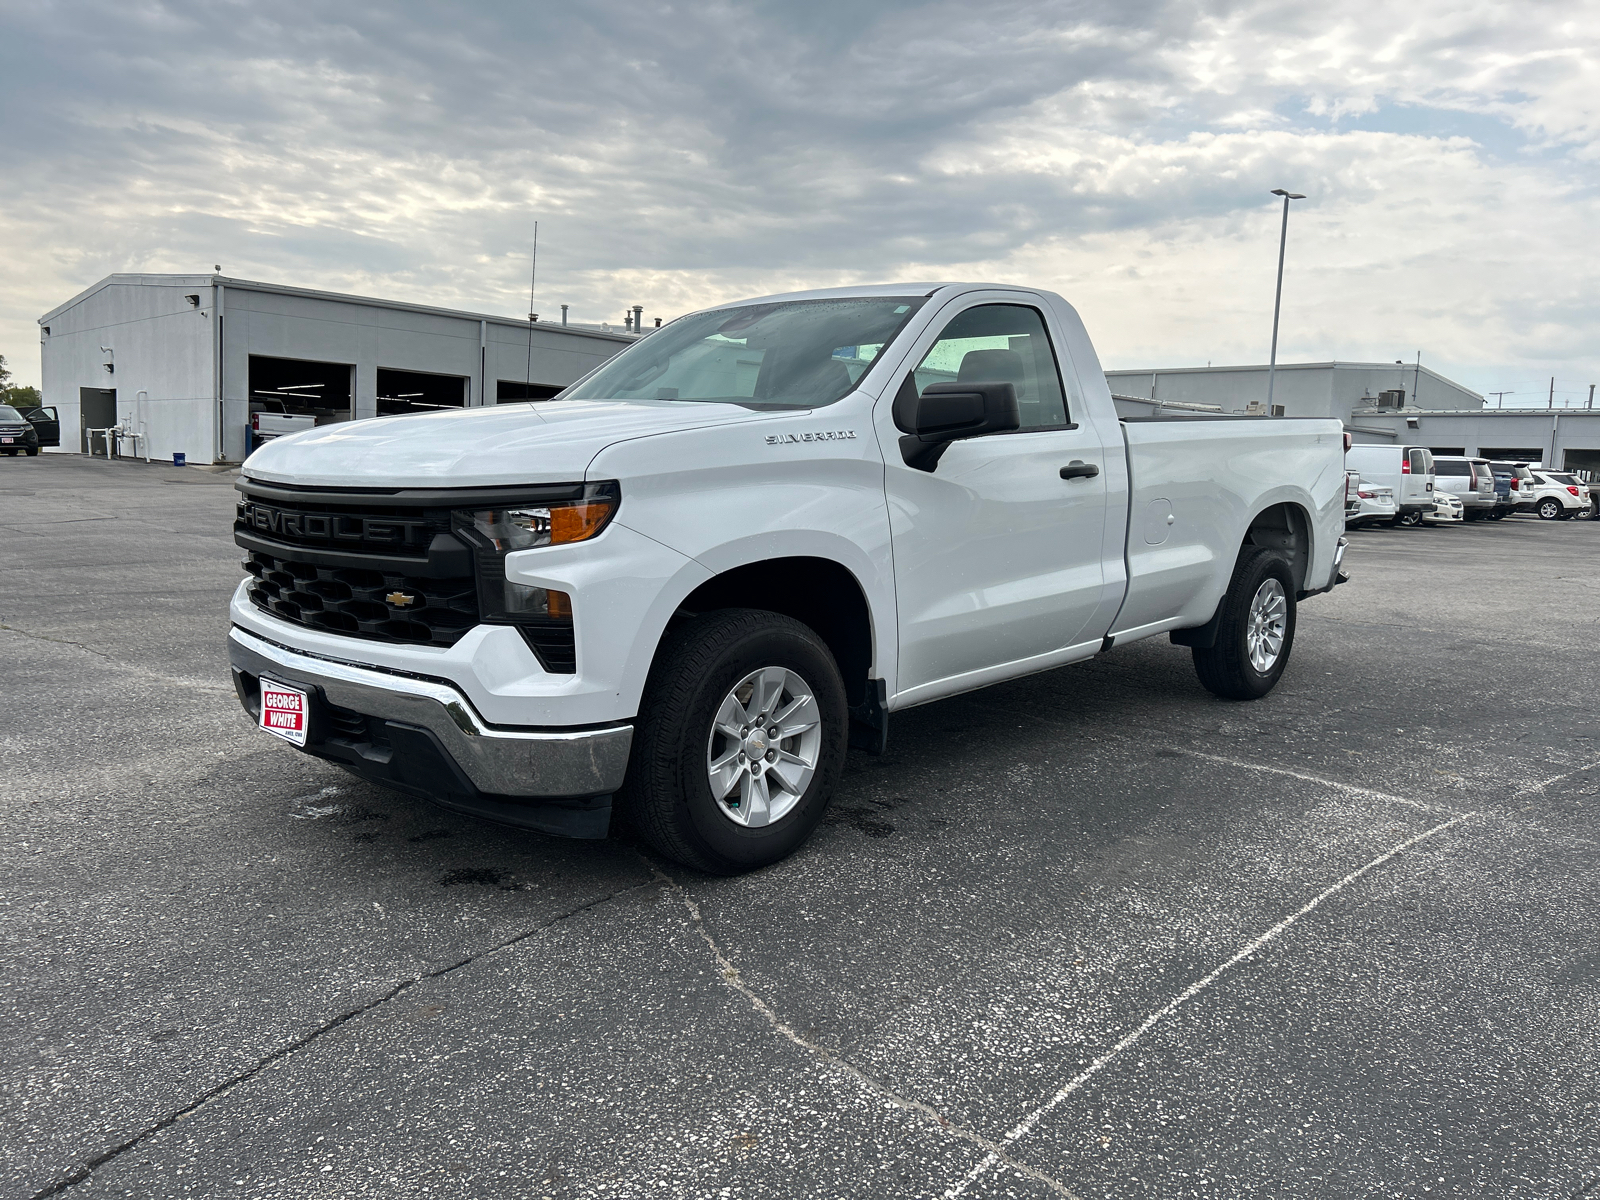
(500, 762)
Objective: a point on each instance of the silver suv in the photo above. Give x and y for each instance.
(1470, 480)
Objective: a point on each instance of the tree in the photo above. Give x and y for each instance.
(22, 398)
(5, 373)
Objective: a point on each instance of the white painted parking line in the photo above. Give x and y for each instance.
(1534, 789)
(731, 978)
(1348, 788)
(1022, 1127)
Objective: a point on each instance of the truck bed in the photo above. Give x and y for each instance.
(1206, 476)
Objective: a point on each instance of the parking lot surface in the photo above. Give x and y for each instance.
(1094, 933)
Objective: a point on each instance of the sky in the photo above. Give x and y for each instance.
(1119, 152)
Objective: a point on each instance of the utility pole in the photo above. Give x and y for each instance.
(1500, 398)
(1416, 378)
(1551, 403)
(1277, 301)
(1591, 397)
(533, 279)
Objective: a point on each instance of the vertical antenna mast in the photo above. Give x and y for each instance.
(533, 278)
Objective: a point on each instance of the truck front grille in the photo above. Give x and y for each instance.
(363, 602)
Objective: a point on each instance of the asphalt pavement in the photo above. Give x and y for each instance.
(1094, 933)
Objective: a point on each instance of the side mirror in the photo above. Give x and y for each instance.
(948, 412)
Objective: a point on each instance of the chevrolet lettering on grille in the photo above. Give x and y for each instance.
(333, 527)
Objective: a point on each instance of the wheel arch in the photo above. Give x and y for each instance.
(821, 593)
(1285, 526)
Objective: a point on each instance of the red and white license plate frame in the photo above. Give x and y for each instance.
(285, 711)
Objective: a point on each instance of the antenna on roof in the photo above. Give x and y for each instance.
(533, 278)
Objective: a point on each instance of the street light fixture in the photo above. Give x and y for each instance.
(1277, 302)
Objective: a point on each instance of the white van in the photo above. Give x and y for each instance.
(1407, 470)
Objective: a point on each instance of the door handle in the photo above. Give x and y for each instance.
(1078, 469)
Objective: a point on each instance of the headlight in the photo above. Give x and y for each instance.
(507, 529)
(543, 615)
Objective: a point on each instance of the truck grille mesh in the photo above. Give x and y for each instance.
(363, 602)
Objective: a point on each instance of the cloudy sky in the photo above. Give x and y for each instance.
(1117, 151)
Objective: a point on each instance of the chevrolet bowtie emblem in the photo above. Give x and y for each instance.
(400, 599)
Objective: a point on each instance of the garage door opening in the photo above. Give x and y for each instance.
(403, 392)
(509, 391)
(1522, 454)
(300, 387)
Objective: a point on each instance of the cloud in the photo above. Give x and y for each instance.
(681, 154)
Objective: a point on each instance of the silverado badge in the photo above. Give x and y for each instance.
(400, 599)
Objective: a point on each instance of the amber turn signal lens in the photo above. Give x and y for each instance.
(560, 605)
(578, 522)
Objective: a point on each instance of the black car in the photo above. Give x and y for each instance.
(17, 433)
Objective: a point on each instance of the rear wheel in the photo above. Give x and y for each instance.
(1409, 519)
(1549, 509)
(1256, 629)
(740, 741)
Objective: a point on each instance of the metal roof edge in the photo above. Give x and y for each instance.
(256, 285)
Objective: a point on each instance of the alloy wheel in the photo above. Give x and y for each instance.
(762, 751)
(1269, 614)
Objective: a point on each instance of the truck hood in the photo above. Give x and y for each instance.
(548, 442)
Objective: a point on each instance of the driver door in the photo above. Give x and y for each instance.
(998, 559)
(46, 423)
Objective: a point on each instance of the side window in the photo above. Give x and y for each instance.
(1000, 343)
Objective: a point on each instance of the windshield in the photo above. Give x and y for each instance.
(799, 354)
(7, 413)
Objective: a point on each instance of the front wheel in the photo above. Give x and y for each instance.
(1549, 509)
(1255, 632)
(740, 741)
(33, 452)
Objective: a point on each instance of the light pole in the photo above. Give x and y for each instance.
(1277, 302)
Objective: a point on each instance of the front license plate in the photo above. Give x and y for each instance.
(285, 711)
(6, 441)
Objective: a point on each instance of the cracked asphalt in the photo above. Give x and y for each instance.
(1093, 933)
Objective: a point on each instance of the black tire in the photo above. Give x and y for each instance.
(11, 453)
(1225, 668)
(667, 797)
(34, 452)
(1408, 520)
(1549, 509)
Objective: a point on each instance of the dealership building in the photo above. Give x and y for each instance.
(1390, 404)
(183, 360)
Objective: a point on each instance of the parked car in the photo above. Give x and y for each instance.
(17, 434)
(271, 418)
(521, 614)
(1446, 510)
(1470, 480)
(46, 423)
(1513, 481)
(1373, 504)
(1407, 471)
(1558, 496)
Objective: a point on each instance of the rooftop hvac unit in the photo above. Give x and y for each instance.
(1395, 398)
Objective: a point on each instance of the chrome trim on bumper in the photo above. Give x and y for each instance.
(504, 762)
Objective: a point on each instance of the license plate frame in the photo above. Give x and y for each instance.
(285, 711)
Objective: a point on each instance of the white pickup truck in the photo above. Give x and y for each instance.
(694, 578)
